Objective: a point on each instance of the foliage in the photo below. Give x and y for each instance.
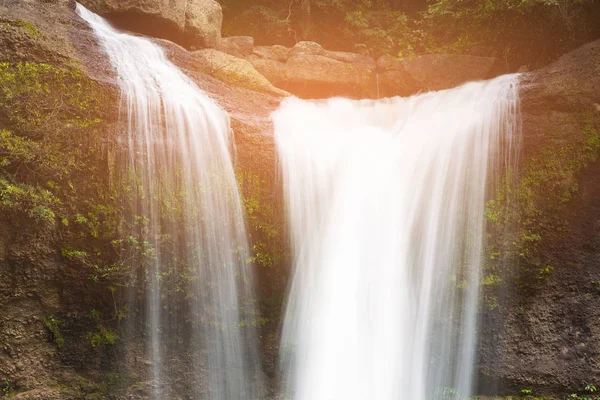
(519, 31)
(588, 394)
(264, 222)
(29, 28)
(6, 389)
(102, 337)
(53, 326)
(526, 215)
(49, 140)
(529, 32)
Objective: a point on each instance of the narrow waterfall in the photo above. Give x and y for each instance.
(386, 204)
(186, 210)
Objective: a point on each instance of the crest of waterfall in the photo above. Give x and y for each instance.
(386, 203)
(186, 208)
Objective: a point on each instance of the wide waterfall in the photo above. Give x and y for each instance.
(386, 204)
(186, 212)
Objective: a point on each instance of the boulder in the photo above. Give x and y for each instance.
(393, 79)
(238, 46)
(444, 71)
(307, 70)
(307, 48)
(203, 20)
(273, 70)
(545, 335)
(275, 53)
(191, 23)
(319, 76)
(236, 71)
(315, 49)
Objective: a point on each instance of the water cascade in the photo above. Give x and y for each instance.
(185, 211)
(386, 203)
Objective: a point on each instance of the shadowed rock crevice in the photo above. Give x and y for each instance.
(193, 24)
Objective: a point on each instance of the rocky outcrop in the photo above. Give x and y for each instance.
(433, 72)
(444, 71)
(230, 69)
(309, 71)
(238, 46)
(541, 329)
(393, 79)
(191, 23)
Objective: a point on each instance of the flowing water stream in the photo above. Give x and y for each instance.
(386, 203)
(186, 212)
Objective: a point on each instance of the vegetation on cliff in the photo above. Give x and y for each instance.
(530, 32)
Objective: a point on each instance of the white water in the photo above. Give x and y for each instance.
(184, 186)
(386, 208)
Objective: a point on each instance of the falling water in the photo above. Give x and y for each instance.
(386, 206)
(186, 206)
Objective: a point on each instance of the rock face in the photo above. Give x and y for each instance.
(309, 71)
(57, 360)
(433, 72)
(227, 68)
(544, 334)
(191, 23)
(238, 46)
(393, 79)
(443, 71)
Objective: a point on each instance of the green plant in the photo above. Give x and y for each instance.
(53, 326)
(590, 388)
(527, 210)
(6, 389)
(29, 28)
(102, 336)
(544, 272)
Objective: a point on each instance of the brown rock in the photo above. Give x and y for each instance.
(275, 53)
(238, 46)
(191, 23)
(308, 70)
(236, 71)
(319, 76)
(443, 71)
(307, 48)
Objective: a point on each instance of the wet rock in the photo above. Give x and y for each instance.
(544, 336)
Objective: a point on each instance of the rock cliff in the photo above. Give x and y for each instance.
(540, 318)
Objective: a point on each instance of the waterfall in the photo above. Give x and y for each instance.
(386, 203)
(185, 211)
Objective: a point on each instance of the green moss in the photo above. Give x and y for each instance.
(264, 222)
(53, 326)
(29, 28)
(102, 337)
(492, 279)
(55, 163)
(527, 210)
